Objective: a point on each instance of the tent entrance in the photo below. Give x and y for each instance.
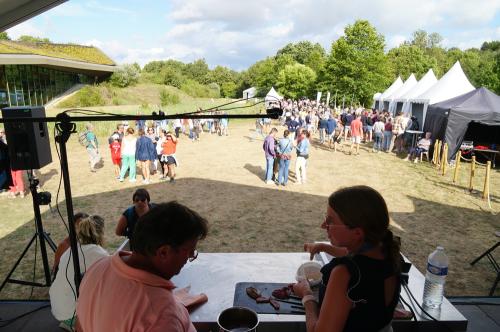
(417, 110)
(484, 135)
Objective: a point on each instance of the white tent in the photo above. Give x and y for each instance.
(249, 93)
(454, 83)
(425, 83)
(407, 86)
(272, 97)
(376, 100)
(387, 93)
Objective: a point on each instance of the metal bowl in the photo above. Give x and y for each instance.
(238, 319)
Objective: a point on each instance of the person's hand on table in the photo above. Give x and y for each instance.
(302, 288)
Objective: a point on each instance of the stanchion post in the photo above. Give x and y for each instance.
(457, 165)
(472, 170)
(486, 189)
(437, 153)
(444, 159)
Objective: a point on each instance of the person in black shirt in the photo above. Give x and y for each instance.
(360, 290)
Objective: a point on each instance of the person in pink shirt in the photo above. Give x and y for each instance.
(356, 133)
(132, 291)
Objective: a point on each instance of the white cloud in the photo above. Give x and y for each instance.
(27, 28)
(239, 33)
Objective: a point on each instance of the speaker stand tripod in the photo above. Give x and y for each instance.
(42, 238)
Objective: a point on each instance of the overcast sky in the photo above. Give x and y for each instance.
(238, 33)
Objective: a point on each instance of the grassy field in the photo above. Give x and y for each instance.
(221, 177)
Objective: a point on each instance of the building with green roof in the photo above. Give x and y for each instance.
(35, 73)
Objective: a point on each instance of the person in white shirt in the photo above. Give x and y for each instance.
(90, 233)
(378, 132)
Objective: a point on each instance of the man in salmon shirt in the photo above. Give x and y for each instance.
(356, 133)
(132, 291)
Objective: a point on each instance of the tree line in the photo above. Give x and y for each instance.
(356, 66)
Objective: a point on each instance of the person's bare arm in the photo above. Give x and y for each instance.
(121, 226)
(315, 248)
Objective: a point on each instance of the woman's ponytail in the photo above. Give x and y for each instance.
(90, 230)
(392, 249)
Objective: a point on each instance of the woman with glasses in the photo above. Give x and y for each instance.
(359, 291)
(141, 205)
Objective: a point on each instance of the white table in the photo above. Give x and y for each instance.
(216, 275)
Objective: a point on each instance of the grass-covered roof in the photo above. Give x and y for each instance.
(64, 51)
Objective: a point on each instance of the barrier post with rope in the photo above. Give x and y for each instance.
(486, 189)
(444, 159)
(472, 171)
(457, 165)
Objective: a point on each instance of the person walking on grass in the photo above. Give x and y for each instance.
(116, 157)
(145, 152)
(356, 133)
(92, 147)
(168, 157)
(128, 155)
(303, 146)
(270, 153)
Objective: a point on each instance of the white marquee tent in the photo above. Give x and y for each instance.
(387, 93)
(249, 93)
(407, 86)
(376, 100)
(454, 83)
(272, 97)
(425, 83)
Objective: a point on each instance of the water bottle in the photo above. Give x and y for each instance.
(435, 276)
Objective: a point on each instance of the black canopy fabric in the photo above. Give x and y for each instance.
(450, 119)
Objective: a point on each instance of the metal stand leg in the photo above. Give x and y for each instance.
(494, 263)
(42, 238)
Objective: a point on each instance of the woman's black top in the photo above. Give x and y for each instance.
(366, 290)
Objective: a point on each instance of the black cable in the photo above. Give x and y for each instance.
(414, 317)
(9, 321)
(405, 285)
(60, 182)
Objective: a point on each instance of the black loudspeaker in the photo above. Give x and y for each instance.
(28, 142)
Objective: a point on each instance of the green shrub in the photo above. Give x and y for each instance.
(125, 76)
(198, 90)
(168, 98)
(86, 97)
(173, 77)
(214, 90)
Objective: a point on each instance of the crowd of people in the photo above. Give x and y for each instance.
(305, 119)
(150, 146)
(359, 290)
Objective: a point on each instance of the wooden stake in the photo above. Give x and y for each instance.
(472, 170)
(486, 190)
(457, 165)
(437, 153)
(444, 159)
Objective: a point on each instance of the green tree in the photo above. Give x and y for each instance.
(491, 46)
(4, 36)
(262, 75)
(406, 59)
(172, 76)
(306, 53)
(124, 76)
(197, 71)
(225, 78)
(296, 80)
(357, 64)
(31, 39)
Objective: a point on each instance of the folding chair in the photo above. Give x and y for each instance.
(494, 263)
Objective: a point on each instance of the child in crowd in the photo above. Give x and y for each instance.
(116, 156)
